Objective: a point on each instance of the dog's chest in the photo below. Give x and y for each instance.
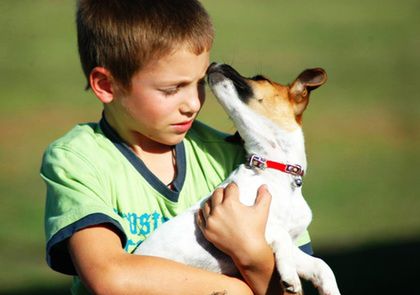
(288, 208)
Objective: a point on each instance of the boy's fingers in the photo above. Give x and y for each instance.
(217, 197)
(263, 198)
(205, 211)
(201, 221)
(231, 191)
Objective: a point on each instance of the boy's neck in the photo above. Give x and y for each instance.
(162, 164)
(138, 142)
(159, 158)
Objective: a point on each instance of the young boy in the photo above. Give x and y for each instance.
(110, 184)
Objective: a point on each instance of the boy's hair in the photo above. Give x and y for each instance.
(124, 35)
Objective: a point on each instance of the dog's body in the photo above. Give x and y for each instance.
(268, 118)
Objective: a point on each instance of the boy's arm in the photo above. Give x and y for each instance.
(105, 268)
(239, 231)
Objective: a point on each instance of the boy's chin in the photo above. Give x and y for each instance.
(174, 139)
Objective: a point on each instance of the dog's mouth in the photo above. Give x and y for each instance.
(219, 72)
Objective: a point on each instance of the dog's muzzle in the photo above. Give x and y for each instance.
(217, 73)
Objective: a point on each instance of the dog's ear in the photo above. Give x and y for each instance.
(234, 138)
(307, 81)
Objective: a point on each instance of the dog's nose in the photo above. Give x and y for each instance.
(215, 77)
(212, 67)
(214, 73)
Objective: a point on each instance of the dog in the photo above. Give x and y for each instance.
(268, 117)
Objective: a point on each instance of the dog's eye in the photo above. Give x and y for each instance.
(259, 78)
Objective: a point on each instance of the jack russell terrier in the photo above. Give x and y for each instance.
(268, 117)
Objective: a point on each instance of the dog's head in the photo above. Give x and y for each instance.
(261, 106)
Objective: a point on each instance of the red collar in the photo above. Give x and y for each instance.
(261, 163)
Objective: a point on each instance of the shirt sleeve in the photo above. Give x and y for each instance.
(77, 197)
(304, 243)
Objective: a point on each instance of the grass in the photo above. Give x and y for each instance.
(362, 127)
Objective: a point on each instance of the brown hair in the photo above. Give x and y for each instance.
(124, 35)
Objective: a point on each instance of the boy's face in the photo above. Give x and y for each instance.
(165, 98)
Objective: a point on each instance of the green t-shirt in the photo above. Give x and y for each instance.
(93, 178)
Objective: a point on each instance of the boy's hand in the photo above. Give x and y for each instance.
(236, 229)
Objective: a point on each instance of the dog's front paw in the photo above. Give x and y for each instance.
(331, 291)
(329, 287)
(291, 283)
(292, 289)
(326, 282)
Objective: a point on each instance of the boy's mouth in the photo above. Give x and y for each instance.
(182, 127)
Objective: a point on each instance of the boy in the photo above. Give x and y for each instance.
(110, 184)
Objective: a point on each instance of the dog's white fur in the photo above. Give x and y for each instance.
(289, 213)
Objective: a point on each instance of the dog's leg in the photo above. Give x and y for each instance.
(317, 271)
(283, 247)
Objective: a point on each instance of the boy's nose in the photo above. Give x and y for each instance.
(193, 101)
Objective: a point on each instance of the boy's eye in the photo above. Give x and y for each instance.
(174, 90)
(170, 91)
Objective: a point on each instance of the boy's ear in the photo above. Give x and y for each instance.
(101, 83)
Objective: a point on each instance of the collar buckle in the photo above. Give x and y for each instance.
(295, 170)
(257, 161)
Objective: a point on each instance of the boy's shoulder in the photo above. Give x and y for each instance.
(80, 134)
(216, 147)
(84, 138)
(204, 133)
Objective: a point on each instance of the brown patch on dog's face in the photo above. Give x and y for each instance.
(271, 100)
(284, 105)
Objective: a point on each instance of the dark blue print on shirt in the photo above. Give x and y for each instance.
(141, 225)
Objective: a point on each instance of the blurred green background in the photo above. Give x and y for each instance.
(362, 127)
